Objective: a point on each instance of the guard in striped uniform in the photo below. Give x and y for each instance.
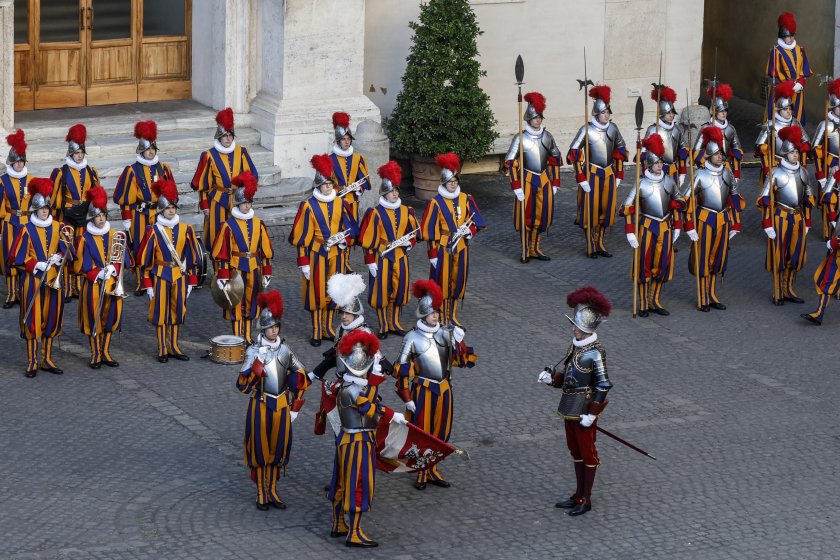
(168, 256)
(674, 137)
(360, 409)
(599, 176)
(450, 221)
(14, 211)
(826, 154)
(733, 153)
(349, 168)
(827, 277)
(783, 118)
(213, 178)
(424, 371)
(244, 246)
(389, 231)
(787, 223)
(137, 201)
(71, 182)
(275, 380)
(788, 61)
(659, 202)
(718, 209)
(100, 308)
(323, 228)
(39, 251)
(542, 176)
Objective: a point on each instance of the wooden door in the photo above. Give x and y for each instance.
(111, 54)
(24, 61)
(59, 53)
(165, 50)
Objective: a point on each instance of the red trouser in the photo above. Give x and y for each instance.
(581, 442)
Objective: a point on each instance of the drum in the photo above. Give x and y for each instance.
(227, 349)
(203, 263)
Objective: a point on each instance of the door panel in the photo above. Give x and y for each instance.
(60, 54)
(23, 57)
(112, 74)
(165, 55)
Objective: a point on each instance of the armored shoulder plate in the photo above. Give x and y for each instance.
(352, 420)
(579, 139)
(250, 355)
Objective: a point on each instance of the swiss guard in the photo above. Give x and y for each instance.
(674, 137)
(733, 153)
(826, 153)
(788, 61)
(583, 379)
(14, 211)
(769, 137)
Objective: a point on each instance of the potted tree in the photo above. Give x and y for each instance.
(441, 107)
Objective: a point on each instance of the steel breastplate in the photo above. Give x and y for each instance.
(535, 153)
(671, 141)
(601, 146)
(712, 190)
(276, 371)
(578, 384)
(433, 354)
(352, 420)
(790, 187)
(833, 133)
(654, 197)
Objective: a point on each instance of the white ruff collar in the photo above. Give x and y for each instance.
(389, 205)
(444, 192)
(360, 381)
(168, 223)
(93, 230)
(585, 341)
(354, 323)
(667, 126)
(785, 46)
(785, 121)
(714, 168)
(39, 222)
(263, 341)
(831, 116)
(237, 213)
(221, 149)
(336, 149)
(789, 166)
(719, 124)
(422, 326)
(17, 175)
(533, 131)
(654, 178)
(147, 162)
(594, 122)
(316, 192)
(77, 166)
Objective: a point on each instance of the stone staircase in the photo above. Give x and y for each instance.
(185, 129)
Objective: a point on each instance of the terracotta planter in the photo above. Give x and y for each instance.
(426, 176)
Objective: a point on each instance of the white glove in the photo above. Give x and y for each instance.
(411, 406)
(293, 414)
(828, 245)
(206, 211)
(110, 270)
(189, 290)
(150, 292)
(554, 190)
(586, 420)
(833, 225)
(311, 375)
(457, 333)
(373, 269)
(406, 243)
(434, 262)
(797, 87)
(617, 182)
(544, 377)
(40, 266)
(102, 274)
(126, 224)
(399, 418)
(807, 229)
(54, 259)
(692, 234)
(771, 233)
(682, 179)
(520, 194)
(585, 186)
(221, 282)
(631, 239)
(342, 245)
(305, 271)
(677, 233)
(822, 182)
(733, 233)
(266, 280)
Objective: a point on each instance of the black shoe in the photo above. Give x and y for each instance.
(53, 369)
(705, 308)
(568, 503)
(364, 544)
(717, 305)
(9, 305)
(440, 483)
(315, 341)
(139, 292)
(179, 357)
(542, 258)
(643, 313)
(794, 299)
(330, 337)
(605, 254)
(579, 509)
(68, 299)
(778, 301)
(262, 507)
(661, 311)
(163, 359)
(593, 255)
(420, 485)
(96, 365)
(278, 505)
(110, 363)
(811, 319)
(382, 335)
(31, 372)
(524, 260)
(398, 332)
(336, 534)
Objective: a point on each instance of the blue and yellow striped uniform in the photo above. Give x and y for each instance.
(783, 65)
(14, 209)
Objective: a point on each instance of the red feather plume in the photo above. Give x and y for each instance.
(591, 297)
(341, 119)
(40, 185)
(428, 288)
(448, 161)
(784, 89)
(792, 134)
(787, 21)
(248, 181)
(665, 94)
(391, 171)
(724, 91)
(147, 130)
(224, 118)
(271, 300)
(17, 142)
(654, 144)
(601, 92)
(837, 175)
(834, 87)
(165, 188)
(712, 134)
(358, 336)
(77, 134)
(97, 197)
(537, 101)
(322, 163)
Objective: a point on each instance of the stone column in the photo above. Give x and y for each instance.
(7, 70)
(309, 70)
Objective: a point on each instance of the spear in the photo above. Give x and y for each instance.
(519, 70)
(640, 115)
(771, 162)
(692, 202)
(587, 217)
(658, 87)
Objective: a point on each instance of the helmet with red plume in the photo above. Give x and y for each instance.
(712, 140)
(601, 95)
(590, 306)
(245, 188)
(791, 137)
(40, 190)
(450, 166)
(783, 94)
(391, 174)
(654, 149)
(146, 133)
(357, 350)
(224, 123)
(75, 139)
(322, 164)
(834, 94)
(536, 105)
(787, 25)
(167, 193)
(720, 94)
(97, 202)
(17, 147)
(271, 304)
(666, 97)
(430, 296)
(341, 125)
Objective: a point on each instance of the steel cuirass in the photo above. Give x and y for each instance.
(535, 150)
(654, 196)
(352, 420)
(713, 188)
(602, 143)
(833, 137)
(584, 379)
(277, 365)
(791, 186)
(432, 353)
(672, 139)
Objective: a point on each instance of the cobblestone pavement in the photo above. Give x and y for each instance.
(144, 461)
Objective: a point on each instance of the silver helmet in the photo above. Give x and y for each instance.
(651, 158)
(97, 202)
(591, 308)
(146, 134)
(224, 123)
(791, 139)
(833, 101)
(601, 99)
(358, 361)
(341, 126)
(267, 319)
(391, 174)
(712, 140)
(450, 166)
(76, 137)
(787, 25)
(40, 190)
(322, 163)
(782, 103)
(344, 290)
(654, 149)
(17, 147)
(429, 297)
(167, 193)
(271, 304)
(536, 106)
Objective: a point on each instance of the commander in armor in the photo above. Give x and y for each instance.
(583, 379)
(673, 135)
(428, 354)
(658, 205)
(276, 381)
(542, 160)
(826, 155)
(598, 154)
(785, 203)
(768, 146)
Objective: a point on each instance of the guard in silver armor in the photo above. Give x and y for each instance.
(585, 384)
(674, 137)
(826, 155)
(542, 161)
(658, 205)
(359, 408)
(786, 202)
(599, 169)
(429, 352)
(733, 152)
(768, 138)
(276, 381)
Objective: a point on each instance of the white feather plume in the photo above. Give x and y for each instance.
(344, 288)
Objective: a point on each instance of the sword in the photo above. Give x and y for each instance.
(627, 443)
